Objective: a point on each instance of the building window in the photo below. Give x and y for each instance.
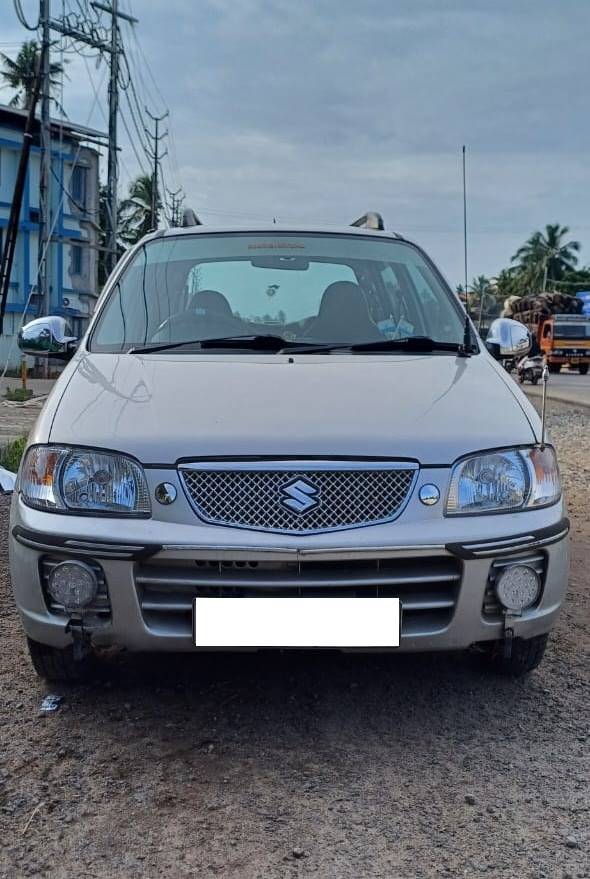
(77, 253)
(78, 186)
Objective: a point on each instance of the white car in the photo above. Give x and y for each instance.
(283, 437)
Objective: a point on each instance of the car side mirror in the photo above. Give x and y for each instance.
(47, 337)
(508, 338)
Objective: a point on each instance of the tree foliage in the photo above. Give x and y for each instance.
(547, 256)
(135, 219)
(20, 74)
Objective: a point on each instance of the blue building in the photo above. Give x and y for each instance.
(74, 248)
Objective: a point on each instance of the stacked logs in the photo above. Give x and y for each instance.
(543, 305)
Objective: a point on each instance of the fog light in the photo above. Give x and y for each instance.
(73, 585)
(518, 587)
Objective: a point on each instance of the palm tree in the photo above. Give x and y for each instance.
(546, 256)
(135, 215)
(20, 74)
(482, 296)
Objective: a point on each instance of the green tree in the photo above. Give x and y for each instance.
(136, 210)
(575, 281)
(547, 256)
(20, 74)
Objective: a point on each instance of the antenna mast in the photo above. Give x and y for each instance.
(465, 228)
(467, 328)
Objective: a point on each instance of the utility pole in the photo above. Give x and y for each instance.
(44, 245)
(156, 137)
(176, 201)
(91, 37)
(112, 167)
(17, 200)
(112, 172)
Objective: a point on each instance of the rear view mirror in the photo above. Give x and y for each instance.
(47, 337)
(508, 338)
(284, 263)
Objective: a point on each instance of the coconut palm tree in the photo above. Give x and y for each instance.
(547, 256)
(135, 214)
(21, 72)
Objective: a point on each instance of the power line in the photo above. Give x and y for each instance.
(157, 137)
(139, 65)
(133, 147)
(35, 284)
(21, 17)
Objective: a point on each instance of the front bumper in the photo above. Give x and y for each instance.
(442, 571)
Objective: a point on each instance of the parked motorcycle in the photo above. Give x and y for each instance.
(530, 369)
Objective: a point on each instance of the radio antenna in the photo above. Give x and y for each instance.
(545, 379)
(466, 349)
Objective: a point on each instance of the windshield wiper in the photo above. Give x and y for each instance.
(407, 343)
(277, 345)
(263, 342)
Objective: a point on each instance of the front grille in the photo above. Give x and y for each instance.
(101, 605)
(427, 587)
(299, 499)
(536, 560)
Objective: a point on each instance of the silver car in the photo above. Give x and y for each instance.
(281, 437)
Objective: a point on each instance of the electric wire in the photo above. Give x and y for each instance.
(35, 284)
(21, 17)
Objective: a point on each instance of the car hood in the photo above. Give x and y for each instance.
(163, 407)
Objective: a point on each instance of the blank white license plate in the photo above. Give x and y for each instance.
(297, 622)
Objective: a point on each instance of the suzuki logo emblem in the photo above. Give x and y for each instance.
(300, 496)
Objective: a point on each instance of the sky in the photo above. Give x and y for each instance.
(315, 111)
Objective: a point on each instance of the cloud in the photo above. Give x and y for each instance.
(318, 111)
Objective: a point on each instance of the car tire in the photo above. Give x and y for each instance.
(534, 380)
(58, 665)
(521, 377)
(526, 655)
(555, 367)
(583, 368)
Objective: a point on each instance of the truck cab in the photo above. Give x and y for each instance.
(564, 339)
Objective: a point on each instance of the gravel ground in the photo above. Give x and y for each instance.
(310, 765)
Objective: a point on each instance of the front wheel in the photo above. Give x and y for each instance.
(527, 653)
(534, 379)
(58, 665)
(583, 368)
(521, 377)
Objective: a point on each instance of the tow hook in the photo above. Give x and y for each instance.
(508, 635)
(81, 637)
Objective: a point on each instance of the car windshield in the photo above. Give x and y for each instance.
(572, 331)
(311, 288)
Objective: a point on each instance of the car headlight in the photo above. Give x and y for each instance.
(72, 480)
(504, 482)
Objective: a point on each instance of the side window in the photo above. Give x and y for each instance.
(77, 254)
(78, 186)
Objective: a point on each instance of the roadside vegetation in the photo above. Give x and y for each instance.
(11, 454)
(18, 395)
(546, 262)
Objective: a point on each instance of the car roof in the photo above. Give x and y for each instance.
(274, 228)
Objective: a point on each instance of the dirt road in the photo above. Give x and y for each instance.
(295, 766)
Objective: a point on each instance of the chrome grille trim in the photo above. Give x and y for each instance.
(252, 494)
(427, 587)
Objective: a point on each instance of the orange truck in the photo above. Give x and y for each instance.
(562, 338)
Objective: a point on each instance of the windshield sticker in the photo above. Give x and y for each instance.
(392, 329)
(277, 245)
